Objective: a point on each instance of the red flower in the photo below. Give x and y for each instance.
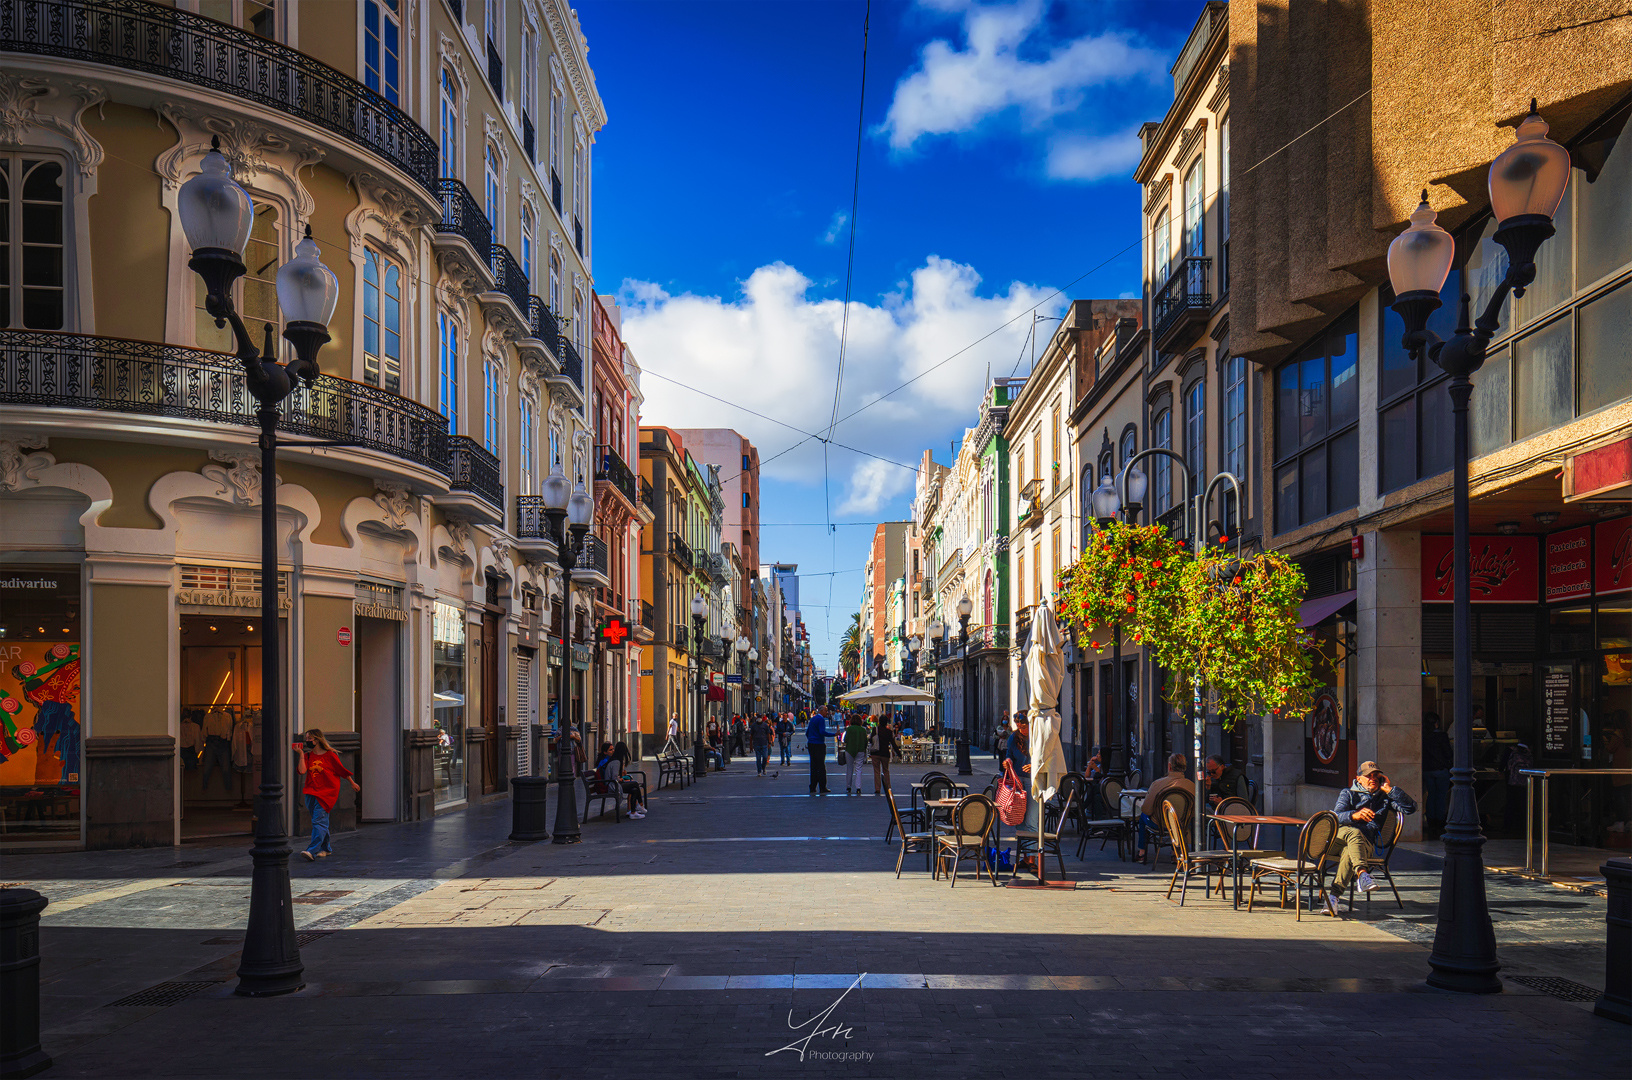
(1157, 565)
(1140, 577)
(1237, 579)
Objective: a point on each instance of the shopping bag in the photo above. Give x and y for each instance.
(1011, 797)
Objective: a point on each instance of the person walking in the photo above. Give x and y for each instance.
(855, 749)
(880, 748)
(816, 733)
(760, 734)
(784, 737)
(323, 770)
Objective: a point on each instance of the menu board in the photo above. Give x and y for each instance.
(1556, 706)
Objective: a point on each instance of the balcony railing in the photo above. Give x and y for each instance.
(531, 521)
(77, 371)
(508, 277)
(176, 44)
(555, 189)
(711, 647)
(681, 550)
(545, 326)
(472, 468)
(462, 217)
(572, 365)
(1183, 300)
(646, 495)
(611, 467)
(592, 555)
(680, 635)
(648, 615)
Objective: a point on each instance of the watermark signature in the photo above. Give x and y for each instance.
(819, 1027)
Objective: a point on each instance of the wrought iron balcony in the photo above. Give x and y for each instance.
(463, 217)
(592, 556)
(646, 495)
(680, 636)
(711, 647)
(545, 326)
(611, 467)
(1181, 307)
(680, 551)
(531, 521)
(472, 468)
(78, 371)
(572, 365)
(509, 278)
(176, 44)
(648, 615)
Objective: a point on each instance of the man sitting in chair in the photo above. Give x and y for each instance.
(1360, 809)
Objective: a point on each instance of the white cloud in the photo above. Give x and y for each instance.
(1093, 157)
(954, 89)
(774, 348)
(835, 228)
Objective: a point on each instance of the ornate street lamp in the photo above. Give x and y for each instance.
(753, 674)
(568, 512)
(1527, 182)
(699, 613)
(216, 216)
(965, 608)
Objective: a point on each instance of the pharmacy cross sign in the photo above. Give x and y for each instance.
(614, 631)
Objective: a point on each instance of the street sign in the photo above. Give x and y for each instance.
(733, 678)
(343, 635)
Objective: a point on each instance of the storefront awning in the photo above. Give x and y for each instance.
(1316, 611)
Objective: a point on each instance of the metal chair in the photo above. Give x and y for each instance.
(1076, 786)
(1160, 838)
(1187, 862)
(910, 841)
(1243, 835)
(966, 834)
(1388, 837)
(1111, 827)
(1025, 839)
(913, 816)
(1309, 868)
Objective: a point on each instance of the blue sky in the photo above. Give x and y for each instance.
(997, 148)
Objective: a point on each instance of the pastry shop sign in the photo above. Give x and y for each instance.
(1502, 570)
(1569, 564)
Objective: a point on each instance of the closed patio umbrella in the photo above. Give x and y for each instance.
(1045, 672)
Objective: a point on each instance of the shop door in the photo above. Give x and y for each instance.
(1107, 706)
(490, 702)
(220, 725)
(377, 711)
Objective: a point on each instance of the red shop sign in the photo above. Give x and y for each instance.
(1613, 565)
(1569, 564)
(1505, 569)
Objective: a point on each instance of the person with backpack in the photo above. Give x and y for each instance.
(816, 733)
(855, 749)
(784, 737)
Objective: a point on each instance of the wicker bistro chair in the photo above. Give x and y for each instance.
(1187, 862)
(1388, 837)
(1309, 868)
(1025, 840)
(1160, 837)
(1245, 835)
(966, 836)
(910, 841)
(913, 816)
(937, 786)
(1111, 827)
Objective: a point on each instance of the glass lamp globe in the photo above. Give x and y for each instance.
(966, 607)
(580, 508)
(915, 643)
(753, 655)
(1107, 504)
(742, 643)
(1529, 177)
(555, 490)
(307, 290)
(1138, 484)
(699, 606)
(936, 629)
(216, 213)
(1420, 258)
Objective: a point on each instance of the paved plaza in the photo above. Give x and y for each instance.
(706, 938)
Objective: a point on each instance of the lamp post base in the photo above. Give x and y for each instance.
(1464, 956)
(270, 963)
(566, 803)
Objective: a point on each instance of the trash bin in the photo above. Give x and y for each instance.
(1616, 1002)
(529, 801)
(20, 1053)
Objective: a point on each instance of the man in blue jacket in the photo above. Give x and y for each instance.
(816, 735)
(1360, 810)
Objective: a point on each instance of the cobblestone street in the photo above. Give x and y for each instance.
(678, 946)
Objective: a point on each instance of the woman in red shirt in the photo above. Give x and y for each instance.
(322, 768)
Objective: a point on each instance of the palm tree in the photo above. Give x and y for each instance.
(850, 650)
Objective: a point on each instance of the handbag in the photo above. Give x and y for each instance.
(1010, 797)
(842, 758)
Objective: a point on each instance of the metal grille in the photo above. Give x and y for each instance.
(1507, 632)
(524, 715)
(321, 896)
(1566, 989)
(165, 993)
(378, 594)
(307, 937)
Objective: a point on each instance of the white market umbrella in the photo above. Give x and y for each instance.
(1045, 671)
(885, 691)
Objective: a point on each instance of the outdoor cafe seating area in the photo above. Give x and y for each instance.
(1246, 859)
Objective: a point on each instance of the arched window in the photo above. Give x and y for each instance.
(1130, 446)
(529, 448)
(382, 48)
(555, 284)
(449, 143)
(527, 243)
(257, 289)
(578, 318)
(382, 321)
(986, 600)
(1195, 432)
(493, 189)
(1161, 434)
(1161, 253)
(31, 246)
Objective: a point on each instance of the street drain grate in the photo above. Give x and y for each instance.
(223, 941)
(307, 937)
(321, 896)
(1566, 989)
(165, 993)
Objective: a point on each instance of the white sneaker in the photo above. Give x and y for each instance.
(1367, 882)
(1331, 905)
(638, 814)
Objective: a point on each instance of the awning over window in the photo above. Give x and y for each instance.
(1316, 611)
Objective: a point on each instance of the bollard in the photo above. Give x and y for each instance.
(1616, 1001)
(529, 799)
(20, 1053)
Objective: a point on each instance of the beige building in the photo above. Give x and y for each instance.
(1354, 449)
(439, 153)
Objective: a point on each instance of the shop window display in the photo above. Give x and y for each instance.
(40, 739)
(448, 710)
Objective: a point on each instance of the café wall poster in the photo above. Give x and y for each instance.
(1326, 750)
(39, 714)
(1612, 556)
(1568, 555)
(1504, 569)
(1557, 694)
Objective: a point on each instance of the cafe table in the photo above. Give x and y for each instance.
(918, 786)
(1251, 819)
(934, 805)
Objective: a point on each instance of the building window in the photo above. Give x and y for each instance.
(492, 377)
(1054, 559)
(32, 251)
(1317, 441)
(1195, 432)
(495, 46)
(1194, 241)
(1020, 579)
(1414, 430)
(1130, 446)
(447, 364)
(529, 83)
(1037, 572)
(449, 144)
(493, 190)
(382, 321)
(555, 284)
(555, 143)
(745, 465)
(1235, 431)
(527, 243)
(1224, 208)
(578, 319)
(745, 500)
(257, 289)
(1161, 435)
(555, 448)
(1161, 255)
(529, 448)
(382, 48)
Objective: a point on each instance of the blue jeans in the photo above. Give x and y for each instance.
(762, 757)
(320, 825)
(1145, 826)
(786, 744)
